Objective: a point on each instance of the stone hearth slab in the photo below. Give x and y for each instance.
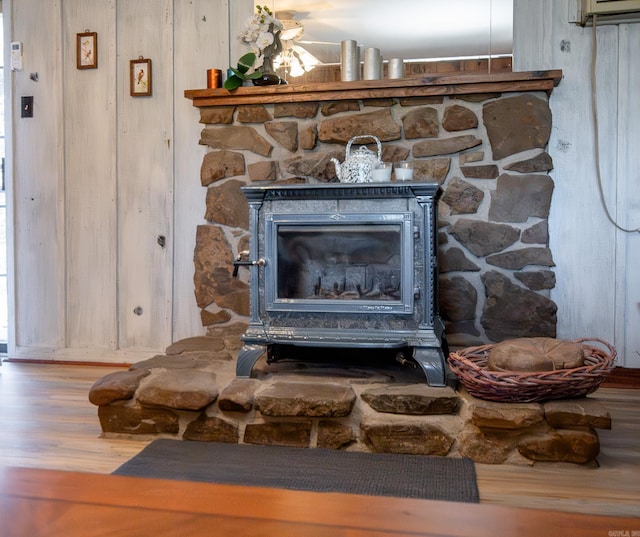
(352, 406)
(306, 399)
(418, 399)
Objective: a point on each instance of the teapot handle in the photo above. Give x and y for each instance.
(364, 136)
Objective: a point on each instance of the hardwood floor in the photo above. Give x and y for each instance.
(51, 503)
(46, 421)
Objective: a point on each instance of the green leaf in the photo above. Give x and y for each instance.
(239, 74)
(232, 83)
(248, 58)
(242, 69)
(246, 61)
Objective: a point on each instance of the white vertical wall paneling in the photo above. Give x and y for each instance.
(38, 191)
(145, 176)
(531, 43)
(8, 92)
(592, 277)
(202, 41)
(90, 176)
(585, 241)
(628, 244)
(239, 12)
(582, 238)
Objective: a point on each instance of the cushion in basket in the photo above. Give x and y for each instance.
(535, 354)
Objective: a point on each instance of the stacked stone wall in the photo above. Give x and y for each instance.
(488, 152)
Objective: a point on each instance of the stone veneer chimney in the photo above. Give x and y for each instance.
(486, 150)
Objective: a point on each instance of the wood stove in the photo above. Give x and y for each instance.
(344, 265)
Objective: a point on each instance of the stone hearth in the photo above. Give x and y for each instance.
(191, 393)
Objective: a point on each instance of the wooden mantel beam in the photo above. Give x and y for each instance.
(430, 85)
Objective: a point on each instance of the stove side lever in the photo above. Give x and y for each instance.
(240, 263)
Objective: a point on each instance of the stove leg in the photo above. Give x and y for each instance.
(431, 360)
(247, 357)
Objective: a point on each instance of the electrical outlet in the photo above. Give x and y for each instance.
(26, 109)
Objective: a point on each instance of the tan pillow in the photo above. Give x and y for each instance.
(535, 354)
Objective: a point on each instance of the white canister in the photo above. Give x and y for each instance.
(371, 68)
(349, 60)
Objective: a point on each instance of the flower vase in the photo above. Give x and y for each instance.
(269, 76)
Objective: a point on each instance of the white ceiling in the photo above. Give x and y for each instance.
(408, 29)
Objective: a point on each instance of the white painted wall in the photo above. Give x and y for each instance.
(97, 175)
(90, 178)
(35, 190)
(204, 44)
(598, 287)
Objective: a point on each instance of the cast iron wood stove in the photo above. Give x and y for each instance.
(344, 265)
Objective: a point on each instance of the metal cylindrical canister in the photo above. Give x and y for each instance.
(350, 60)
(214, 78)
(396, 68)
(371, 68)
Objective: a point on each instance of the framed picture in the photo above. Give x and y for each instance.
(87, 50)
(140, 77)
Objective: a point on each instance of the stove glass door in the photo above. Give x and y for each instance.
(345, 263)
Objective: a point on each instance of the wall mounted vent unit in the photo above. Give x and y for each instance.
(609, 11)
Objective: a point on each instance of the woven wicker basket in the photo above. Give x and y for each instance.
(470, 365)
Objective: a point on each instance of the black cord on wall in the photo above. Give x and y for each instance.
(596, 138)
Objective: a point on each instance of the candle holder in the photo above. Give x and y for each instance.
(214, 78)
(404, 170)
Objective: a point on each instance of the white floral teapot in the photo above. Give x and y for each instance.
(358, 167)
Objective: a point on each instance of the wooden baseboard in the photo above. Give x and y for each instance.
(623, 377)
(63, 362)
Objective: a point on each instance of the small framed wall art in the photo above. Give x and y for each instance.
(140, 77)
(87, 50)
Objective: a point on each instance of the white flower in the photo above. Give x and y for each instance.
(261, 32)
(264, 40)
(277, 24)
(253, 26)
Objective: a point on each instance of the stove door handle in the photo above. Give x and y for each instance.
(239, 263)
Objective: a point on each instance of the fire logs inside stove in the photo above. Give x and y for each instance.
(339, 262)
(344, 266)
